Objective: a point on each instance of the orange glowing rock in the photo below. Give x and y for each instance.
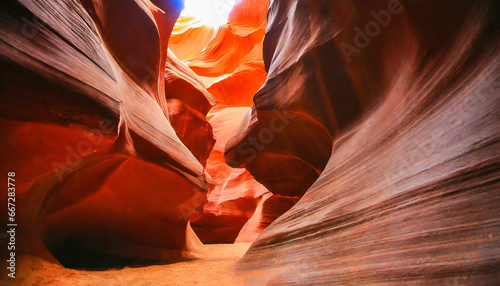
(96, 218)
(229, 58)
(188, 104)
(269, 209)
(224, 52)
(189, 37)
(37, 149)
(236, 194)
(356, 141)
(239, 88)
(248, 16)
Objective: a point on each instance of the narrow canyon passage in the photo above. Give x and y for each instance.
(223, 45)
(250, 142)
(214, 66)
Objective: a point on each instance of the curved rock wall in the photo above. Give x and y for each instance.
(235, 195)
(101, 123)
(229, 58)
(409, 92)
(376, 132)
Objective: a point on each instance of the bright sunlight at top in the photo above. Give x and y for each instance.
(209, 12)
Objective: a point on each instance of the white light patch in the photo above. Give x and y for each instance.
(212, 13)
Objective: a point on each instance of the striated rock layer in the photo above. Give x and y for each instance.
(111, 101)
(229, 58)
(409, 93)
(236, 194)
(106, 130)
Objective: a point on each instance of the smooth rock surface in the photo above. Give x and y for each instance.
(411, 192)
(110, 170)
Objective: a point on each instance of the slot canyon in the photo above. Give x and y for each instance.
(250, 142)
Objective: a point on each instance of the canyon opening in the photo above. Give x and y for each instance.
(250, 142)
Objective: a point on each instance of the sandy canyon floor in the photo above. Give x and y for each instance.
(215, 269)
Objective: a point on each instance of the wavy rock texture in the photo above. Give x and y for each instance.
(188, 103)
(235, 196)
(101, 123)
(269, 208)
(229, 58)
(376, 133)
(411, 193)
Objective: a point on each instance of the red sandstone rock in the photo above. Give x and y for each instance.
(410, 194)
(36, 149)
(238, 88)
(224, 53)
(407, 127)
(231, 63)
(269, 209)
(248, 16)
(284, 151)
(129, 198)
(189, 37)
(188, 104)
(95, 217)
(74, 197)
(228, 59)
(236, 194)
